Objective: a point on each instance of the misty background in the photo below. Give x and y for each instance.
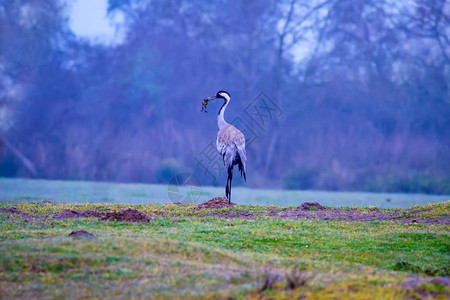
(112, 90)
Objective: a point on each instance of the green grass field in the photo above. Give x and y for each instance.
(185, 254)
(189, 254)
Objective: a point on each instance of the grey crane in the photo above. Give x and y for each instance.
(230, 142)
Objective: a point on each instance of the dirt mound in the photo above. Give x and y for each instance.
(434, 288)
(73, 214)
(127, 215)
(82, 233)
(24, 215)
(215, 203)
(311, 206)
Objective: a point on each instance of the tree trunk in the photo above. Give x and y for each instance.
(25, 161)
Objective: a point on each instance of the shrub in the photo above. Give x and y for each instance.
(167, 169)
(300, 180)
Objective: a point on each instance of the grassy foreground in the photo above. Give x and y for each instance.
(186, 254)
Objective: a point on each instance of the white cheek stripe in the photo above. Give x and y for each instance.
(225, 95)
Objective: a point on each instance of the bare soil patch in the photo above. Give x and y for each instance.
(319, 212)
(73, 214)
(315, 211)
(306, 211)
(241, 214)
(127, 215)
(215, 203)
(13, 210)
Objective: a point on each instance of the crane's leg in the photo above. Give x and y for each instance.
(230, 178)
(227, 190)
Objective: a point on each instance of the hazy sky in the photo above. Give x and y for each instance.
(88, 19)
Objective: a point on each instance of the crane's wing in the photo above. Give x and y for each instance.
(242, 159)
(231, 146)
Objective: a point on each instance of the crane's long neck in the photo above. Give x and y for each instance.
(220, 119)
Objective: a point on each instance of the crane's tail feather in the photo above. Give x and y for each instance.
(235, 156)
(242, 160)
(241, 165)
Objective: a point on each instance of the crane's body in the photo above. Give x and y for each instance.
(230, 143)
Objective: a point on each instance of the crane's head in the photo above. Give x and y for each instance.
(224, 95)
(220, 94)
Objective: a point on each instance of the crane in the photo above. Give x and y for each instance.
(230, 142)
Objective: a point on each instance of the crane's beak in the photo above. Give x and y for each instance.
(211, 98)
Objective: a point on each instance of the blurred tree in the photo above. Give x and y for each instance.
(30, 38)
(363, 86)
